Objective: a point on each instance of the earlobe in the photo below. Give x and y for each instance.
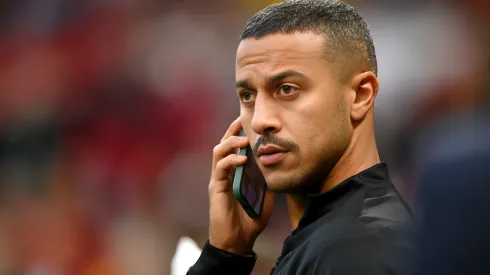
(365, 86)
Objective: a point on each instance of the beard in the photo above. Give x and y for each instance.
(309, 179)
(305, 179)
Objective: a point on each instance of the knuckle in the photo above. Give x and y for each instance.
(221, 164)
(211, 187)
(216, 149)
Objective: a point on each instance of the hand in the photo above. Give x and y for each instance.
(230, 228)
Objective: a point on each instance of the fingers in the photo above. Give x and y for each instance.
(225, 157)
(224, 166)
(228, 146)
(233, 130)
(221, 178)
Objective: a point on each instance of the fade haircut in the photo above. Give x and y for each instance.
(347, 36)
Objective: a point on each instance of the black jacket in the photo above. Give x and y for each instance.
(359, 227)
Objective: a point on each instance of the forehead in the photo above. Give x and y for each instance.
(277, 52)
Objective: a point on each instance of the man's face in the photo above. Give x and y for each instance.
(292, 108)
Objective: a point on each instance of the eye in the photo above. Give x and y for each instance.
(246, 97)
(287, 90)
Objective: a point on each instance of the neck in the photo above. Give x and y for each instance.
(296, 207)
(360, 155)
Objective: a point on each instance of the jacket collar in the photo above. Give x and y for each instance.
(318, 205)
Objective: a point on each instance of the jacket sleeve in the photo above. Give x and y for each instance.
(214, 261)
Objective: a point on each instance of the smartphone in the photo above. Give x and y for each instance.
(249, 184)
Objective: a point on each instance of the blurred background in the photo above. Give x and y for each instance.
(109, 111)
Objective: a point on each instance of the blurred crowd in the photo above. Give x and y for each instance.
(109, 111)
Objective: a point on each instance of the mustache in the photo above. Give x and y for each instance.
(274, 140)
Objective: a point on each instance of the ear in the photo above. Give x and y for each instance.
(365, 88)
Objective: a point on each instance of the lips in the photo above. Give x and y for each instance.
(270, 155)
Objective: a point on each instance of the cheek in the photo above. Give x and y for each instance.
(313, 124)
(245, 119)
(318, 128)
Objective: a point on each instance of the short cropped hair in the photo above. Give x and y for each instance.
(348, 38)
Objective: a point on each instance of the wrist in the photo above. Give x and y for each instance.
(239, 249)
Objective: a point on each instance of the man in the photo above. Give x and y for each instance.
(306, 81)
(453, 187)
(453, 197)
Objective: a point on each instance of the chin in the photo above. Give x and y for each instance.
(282, 182)
(280, 189)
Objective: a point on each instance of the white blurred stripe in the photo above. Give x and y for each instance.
(186, 255)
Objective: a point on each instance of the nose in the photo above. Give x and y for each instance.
(266, 116)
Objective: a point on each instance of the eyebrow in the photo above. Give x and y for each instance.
(245, 83)
(281, 76)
